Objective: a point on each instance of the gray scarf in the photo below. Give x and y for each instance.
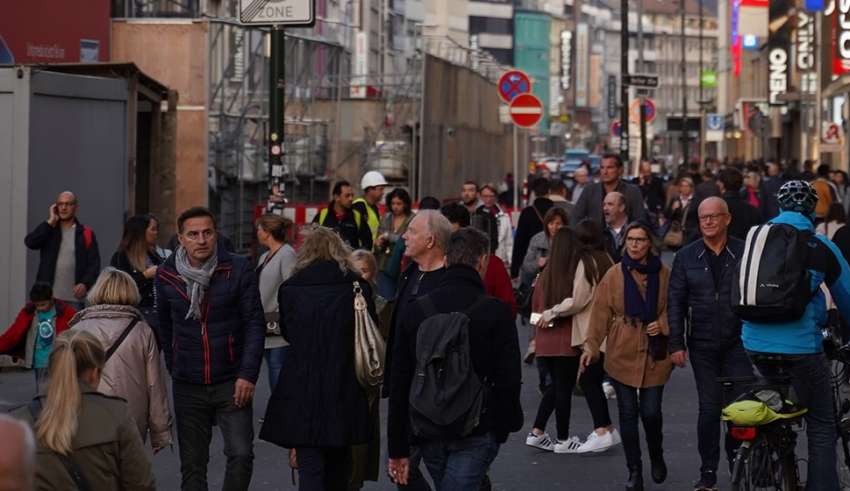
(197, 279)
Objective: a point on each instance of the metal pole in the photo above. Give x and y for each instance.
(422, 127)
(644, 154)
(684, 92)
(624, 89)
(701, 97)
(277, 94)
(516, 170)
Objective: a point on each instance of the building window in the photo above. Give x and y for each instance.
(490, 25)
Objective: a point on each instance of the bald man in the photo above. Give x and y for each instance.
(701, 283)
(70, 259)
(17, 455)
(616, 219)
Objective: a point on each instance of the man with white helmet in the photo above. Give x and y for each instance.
(372, 184)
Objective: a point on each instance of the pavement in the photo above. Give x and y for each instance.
(517, 468)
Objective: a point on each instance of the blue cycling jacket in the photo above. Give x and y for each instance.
(803, 335)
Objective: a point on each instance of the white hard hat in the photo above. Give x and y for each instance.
(372, 179)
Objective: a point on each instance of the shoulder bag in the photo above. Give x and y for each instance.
(369, 346)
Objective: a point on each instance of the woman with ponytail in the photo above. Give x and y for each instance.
(86, 440)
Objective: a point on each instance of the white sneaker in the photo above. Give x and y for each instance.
(570, 445)
(596, 443)
(610, 393)
(615, 435)
(543, 442)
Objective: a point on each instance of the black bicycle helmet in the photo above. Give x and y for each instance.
(797, 196)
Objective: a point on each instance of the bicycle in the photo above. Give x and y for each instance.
(839, 355)
(763, 420)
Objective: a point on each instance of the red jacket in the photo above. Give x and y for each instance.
(11, 340)
(497, 282)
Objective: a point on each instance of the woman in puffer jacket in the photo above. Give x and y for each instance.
(134, 371)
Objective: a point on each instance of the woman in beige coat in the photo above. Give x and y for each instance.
(134, 372)
(630, 314)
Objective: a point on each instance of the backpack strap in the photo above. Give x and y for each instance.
(88, 237)
(112, 349)
(427, 306)
(477, 303)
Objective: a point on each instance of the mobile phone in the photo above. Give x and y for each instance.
(535, 318)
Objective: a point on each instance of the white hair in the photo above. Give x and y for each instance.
(26, 445)
(438, 226)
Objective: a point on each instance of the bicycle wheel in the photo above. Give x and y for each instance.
(764, 467)
(841, 394)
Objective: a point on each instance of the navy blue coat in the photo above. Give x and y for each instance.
(699, 307)
(318, 401)
(228, 342)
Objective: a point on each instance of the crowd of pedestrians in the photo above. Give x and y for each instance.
(419, 307)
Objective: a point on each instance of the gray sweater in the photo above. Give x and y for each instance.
(278, 270)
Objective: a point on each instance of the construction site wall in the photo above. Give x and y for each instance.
(175, 52)
(463, 137)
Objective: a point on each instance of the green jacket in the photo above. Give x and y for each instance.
(107, 449)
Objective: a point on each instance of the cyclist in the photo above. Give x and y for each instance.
(801, 340)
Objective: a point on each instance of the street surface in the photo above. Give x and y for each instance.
(517, 468)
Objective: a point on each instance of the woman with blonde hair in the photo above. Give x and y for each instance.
(86, 440)
(132, 369)
(318, 378)
(273, 268)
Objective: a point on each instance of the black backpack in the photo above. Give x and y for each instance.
(772, 282)
(446, 396)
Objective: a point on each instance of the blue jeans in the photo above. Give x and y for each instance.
(811, 379)
(323, 468)
(196, 408)
(274, 361)
(459, 465)
(708, 365)
(647, 408)
(40, 379)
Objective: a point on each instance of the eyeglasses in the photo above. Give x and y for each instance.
(637, 240)
(196, 236)
(712, 218)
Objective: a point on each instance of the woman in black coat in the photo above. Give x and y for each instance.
(318, 408)
(139, 256)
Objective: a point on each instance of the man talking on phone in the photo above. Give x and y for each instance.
(70, 260)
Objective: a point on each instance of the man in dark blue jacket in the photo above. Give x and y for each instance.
(459, 464)
(212, 328)
(699, 294)
(70, 259)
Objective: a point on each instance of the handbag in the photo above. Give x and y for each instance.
(675, 236)
(273, 324)
(369, 346)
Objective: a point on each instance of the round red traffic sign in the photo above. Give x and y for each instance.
(649, 107)
(526, 110)
(512, 84)
(616, 128)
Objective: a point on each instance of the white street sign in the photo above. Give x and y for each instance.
(280, 12)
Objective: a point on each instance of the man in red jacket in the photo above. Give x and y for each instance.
(30, 337)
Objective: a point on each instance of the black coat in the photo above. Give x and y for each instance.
(318, 401)
(145, 285)
(693, 299)
(744, 215)
(228, 342)
(770, 186)
(494, 350)
(47, 240)
(529, 224)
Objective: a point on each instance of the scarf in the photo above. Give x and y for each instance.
(636, 306)
(197, 279)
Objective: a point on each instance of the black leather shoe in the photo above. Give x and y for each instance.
(659, 469)
(635, 482)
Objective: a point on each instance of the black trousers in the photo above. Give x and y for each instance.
(591, 384)
(557, 396)
(323, 468)
(196, 408)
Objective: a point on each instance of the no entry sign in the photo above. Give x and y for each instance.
(526, 110)
(512, 84)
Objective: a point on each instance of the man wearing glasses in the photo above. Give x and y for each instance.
(701, 283)
(70, 260)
